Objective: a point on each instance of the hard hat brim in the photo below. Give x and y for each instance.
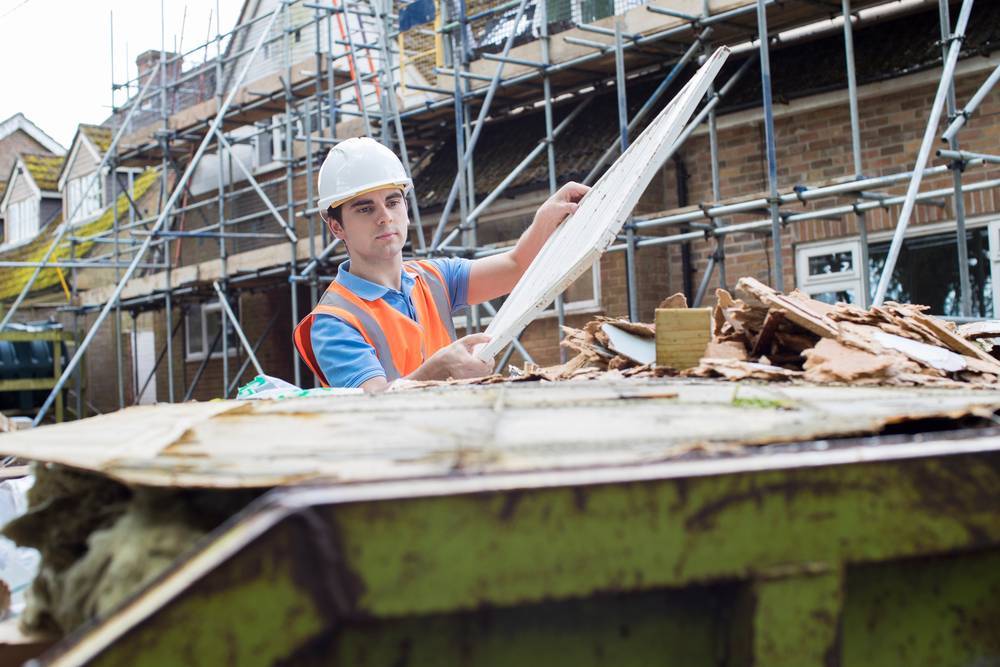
(333, 202)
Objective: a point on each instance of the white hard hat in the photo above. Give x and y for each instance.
(356, 166)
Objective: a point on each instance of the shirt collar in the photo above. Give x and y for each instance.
(368, 290)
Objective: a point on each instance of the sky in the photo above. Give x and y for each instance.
(57, 54)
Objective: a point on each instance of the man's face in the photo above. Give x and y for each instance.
(374, 225)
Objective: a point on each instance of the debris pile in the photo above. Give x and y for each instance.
(762, 334)
(765, 335)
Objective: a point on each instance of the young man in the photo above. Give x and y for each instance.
(383, 318)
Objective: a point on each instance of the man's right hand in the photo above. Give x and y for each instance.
(455, 361)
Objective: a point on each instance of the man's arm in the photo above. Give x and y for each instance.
(491, 277)
(453, 361)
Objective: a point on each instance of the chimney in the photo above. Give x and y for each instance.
(147, 61)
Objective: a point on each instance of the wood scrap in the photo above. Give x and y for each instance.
(768, 336)
(833, 362)
(978, 330)
(799, 309)
(677, 300)
(728, 349)
(762, 344)
(734, 369)
(955, 341)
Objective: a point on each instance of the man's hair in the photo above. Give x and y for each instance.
(335, 214)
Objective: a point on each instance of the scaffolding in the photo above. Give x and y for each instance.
(376, 71)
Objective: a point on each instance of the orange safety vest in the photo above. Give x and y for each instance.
(401, 344)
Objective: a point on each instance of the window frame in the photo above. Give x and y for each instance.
(204, 308)
(80, 184)
(569, 307)
(23, 222)
(853, 280)
(829, 282)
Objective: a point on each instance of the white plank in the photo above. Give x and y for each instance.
(586, 234)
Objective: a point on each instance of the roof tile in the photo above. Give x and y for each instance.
(44, 169)
(100, 136)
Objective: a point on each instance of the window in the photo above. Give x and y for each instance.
(22, 220)
(269, 144)
(83, 197)
(831, 272)
(202, 326)
(926, 271)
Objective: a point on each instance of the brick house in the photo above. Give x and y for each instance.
(898, 62)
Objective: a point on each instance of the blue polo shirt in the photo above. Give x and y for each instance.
(342, 353)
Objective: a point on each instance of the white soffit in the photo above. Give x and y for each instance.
(585, 235)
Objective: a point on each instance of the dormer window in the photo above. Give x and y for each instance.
(83, 199)
(22, 220)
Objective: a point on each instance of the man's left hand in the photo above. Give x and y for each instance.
(559, 206)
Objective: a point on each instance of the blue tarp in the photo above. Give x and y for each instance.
(416, 13)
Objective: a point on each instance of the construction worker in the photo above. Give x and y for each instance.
(382, 318)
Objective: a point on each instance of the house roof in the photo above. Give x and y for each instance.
(44, 169)
(12, 280)
(884, 50)
(98, 135)
(19, 122)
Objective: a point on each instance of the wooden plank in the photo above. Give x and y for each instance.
(682, 334)
(956, 342)
(586, 234)
(27, 336)
(27, 384)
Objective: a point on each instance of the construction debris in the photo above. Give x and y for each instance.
(761, 334)
(898, 344)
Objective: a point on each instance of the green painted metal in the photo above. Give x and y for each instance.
(435, 555)
(258, 587)
(795, 620)
(928, 611)
(747, 568)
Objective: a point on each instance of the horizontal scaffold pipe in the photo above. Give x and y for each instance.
(809, 194)
(807, 216)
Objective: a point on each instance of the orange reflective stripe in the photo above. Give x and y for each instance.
(340, 306)
(302, 336)
(439, 292)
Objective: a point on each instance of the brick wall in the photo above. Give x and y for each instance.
(814, 147)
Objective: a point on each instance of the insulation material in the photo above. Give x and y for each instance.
(101, 541)
(585, 235)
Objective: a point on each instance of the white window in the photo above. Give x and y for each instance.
(22, 221)
(83, 197)
(831, 272)
(926, 271)
(269, 143)
(202, 326)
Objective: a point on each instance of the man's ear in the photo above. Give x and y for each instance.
(335, 227)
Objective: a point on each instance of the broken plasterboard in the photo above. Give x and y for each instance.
(636, 348)
(587, 233)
